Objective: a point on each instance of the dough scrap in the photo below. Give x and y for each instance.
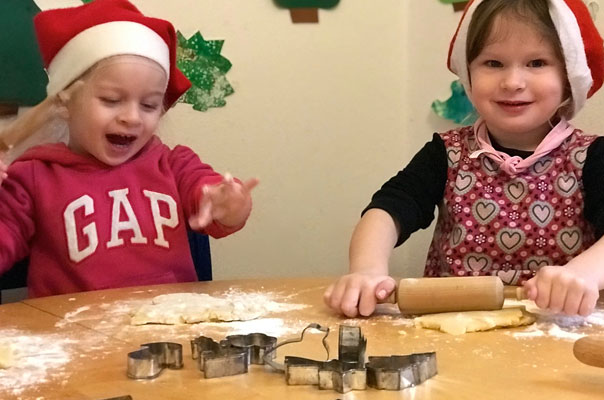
(457, 323)
(191, 308)
(7, 356)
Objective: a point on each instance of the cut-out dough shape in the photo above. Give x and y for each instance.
(457, 323)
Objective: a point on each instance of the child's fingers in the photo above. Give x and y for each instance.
(558, 295)
(530, 289)
(543, 292)
(251, 184)
(572, 305)
(588, 303)
(204, 214)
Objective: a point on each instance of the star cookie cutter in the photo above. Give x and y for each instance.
(152, 358)
(400, 371)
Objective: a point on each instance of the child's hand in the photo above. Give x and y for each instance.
(358, 293)
(563, 289)
(3, 171)
(229, 203)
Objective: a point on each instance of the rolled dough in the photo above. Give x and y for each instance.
(7, 356)
(457, 323)
(191, 308)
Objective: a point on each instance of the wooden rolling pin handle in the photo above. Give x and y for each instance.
(514, 292)
(590, 350)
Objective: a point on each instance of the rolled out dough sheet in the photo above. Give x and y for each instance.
(7, 356)
(457, 323)
(191, 308)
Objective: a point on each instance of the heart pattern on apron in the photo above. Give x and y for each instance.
(566, 184)
(541, 213)
(509, 240)
(569, 240)
(516, 190)
(485, 210)
(464, 182)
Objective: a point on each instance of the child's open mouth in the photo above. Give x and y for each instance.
(120, 140)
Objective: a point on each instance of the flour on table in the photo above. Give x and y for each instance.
(191, 308)
(457, 323)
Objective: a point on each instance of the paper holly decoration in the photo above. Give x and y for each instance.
(458, 107)
(306, 10)
(23, 80)
(201, 62)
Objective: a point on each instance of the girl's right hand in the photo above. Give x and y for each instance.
(358, 293)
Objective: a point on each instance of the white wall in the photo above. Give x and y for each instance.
(323, 114)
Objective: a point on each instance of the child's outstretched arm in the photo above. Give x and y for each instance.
(229, 203)
(572, 289)
(367, 282)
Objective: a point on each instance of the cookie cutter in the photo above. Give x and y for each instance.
(231, 356)
(400, 372)
(296, 363)
(343, 375)
(256, 345)
(127, 397)
(152, 358)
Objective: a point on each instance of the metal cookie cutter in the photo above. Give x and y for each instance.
(152, 358)
(218, 359)
(256, 345)
(400, 372)
(231, 356)
(298, 370)
(347, 373)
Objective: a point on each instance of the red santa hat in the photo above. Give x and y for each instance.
(581, 42)
(72, 40)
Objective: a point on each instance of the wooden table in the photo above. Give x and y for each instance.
(94, 336)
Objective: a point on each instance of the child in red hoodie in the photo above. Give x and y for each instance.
(111, 208)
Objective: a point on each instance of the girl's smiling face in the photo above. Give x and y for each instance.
(117, 109)
(518, 82)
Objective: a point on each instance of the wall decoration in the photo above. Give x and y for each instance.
(23, 80)
(458, 107)
(201, 62)
(306, 10)
(458, 5)
(593, 6)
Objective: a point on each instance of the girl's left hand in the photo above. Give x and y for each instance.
(228, 203)
(563, 290)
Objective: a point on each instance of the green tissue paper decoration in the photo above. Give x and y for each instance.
(22, 77)
(201, 62)
(458, 107)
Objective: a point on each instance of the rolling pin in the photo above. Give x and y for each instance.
(590, 350)
(468, 293)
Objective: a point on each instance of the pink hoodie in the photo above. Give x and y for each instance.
(88, 226)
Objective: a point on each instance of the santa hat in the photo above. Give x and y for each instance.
(581, 42)
(72, 40)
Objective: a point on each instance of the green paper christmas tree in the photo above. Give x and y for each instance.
(22, 76)
(307, 3)
(201, 62)
(306, 10)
